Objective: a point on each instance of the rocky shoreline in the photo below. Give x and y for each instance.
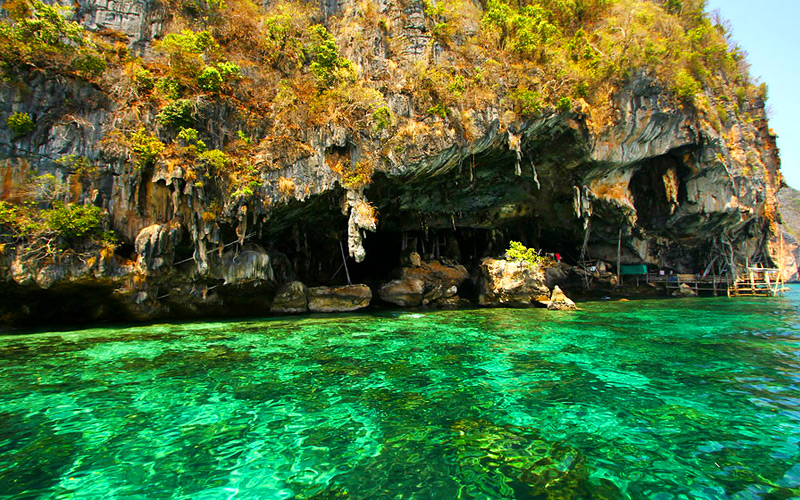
(142, 191)
(416, 285)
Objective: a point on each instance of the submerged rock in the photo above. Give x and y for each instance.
(510, 283)
(520, 458)
(291, 298)
(338, 298)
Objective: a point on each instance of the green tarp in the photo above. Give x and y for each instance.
(631, 270)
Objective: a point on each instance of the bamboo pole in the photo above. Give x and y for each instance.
(344, 262)
(619, 257)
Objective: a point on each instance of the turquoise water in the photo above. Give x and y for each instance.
(659, 399)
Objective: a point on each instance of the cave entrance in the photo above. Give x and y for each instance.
(658, 189)
(462, 245)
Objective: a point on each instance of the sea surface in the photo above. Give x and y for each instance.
(650, 399)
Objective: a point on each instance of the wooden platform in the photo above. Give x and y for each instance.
(698, 283)
(759, 282)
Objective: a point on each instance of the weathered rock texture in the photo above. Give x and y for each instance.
(787, 251)
(427, 283)
(339, 299)
(291, 298)
(510, 283)
(655, 177)
(560, 302)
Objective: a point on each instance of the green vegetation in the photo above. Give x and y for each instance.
(212, 78)
(9, 215)
(36, 35)
(246, 182)
(20, 123)
(438, 110)
(146, 147)
(229, 71)
(519, 252)
(382, 118)
(144, 81)
(177, 114)
(185, 51)
(191, 140)
(214, 161)
(244, 137)
(326, 65)
(685, 86)
(169, 88)
(75, 222)
(526, 102)
(44, 232)
(79, 166)
(354, 176)
(523, 30)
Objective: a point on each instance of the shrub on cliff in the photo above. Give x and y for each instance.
(9, 216)
(42, 233)
(186, 50)
(326, 64)
(213, 161)
(519, 252)
(212, 78)
(20, 123)
(146, 147)
(177, 114)
(35, 34)
(74, 222)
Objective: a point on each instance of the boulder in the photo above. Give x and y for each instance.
(338, 298)
(557, 275)
(441, 279)
(510, 283)
(410, 259)
(560, 302)
(155, 245)
(423, 283)
(251, 263)
(406, 292)
(452, 302)
(684, 291)
(291, 298)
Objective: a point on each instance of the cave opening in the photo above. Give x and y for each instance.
(658, 189)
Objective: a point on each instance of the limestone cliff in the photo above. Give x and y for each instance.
(421, 135)
(786, 244)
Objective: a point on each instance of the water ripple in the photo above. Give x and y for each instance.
(651, 400)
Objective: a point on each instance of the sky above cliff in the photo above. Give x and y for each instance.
(768, 31)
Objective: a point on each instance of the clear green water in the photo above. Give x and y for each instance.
(662, 399)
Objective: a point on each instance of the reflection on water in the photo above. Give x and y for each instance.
(674, 399)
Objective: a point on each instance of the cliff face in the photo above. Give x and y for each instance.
(645, 169)
(786, 244)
